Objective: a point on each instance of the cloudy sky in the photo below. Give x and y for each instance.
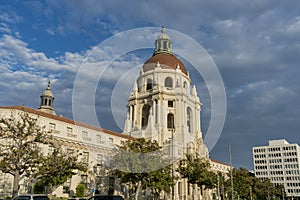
(255, 45)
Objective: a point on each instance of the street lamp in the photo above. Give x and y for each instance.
(218, 179)
(172, 129)
(97, 169)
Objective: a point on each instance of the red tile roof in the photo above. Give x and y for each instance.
(166, 61)
(66, 120)
(216, 161)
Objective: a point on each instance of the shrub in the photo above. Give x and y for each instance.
(80, 189)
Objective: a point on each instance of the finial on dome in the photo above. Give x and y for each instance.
(48, 88)
(163, 29)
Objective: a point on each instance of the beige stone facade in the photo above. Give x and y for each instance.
(93, 145)
(162, 106)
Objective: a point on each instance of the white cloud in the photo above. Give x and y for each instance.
(15, 49)
(10, 18)
(294, 27)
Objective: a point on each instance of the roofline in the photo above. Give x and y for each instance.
(66, 120)
(216, 161)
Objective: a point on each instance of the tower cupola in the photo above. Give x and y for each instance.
(47, 99)
(163, 43)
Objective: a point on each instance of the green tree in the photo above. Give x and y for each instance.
(242, 180)
(196, 171)
(38, 188)
(140, 164)
(57, 168)
(80, 189)
(22, 156)
(246, 185)
(20, 152)
(159, 180)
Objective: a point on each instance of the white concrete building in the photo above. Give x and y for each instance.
(279, 162)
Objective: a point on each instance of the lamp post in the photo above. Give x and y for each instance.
(172, 129)
(98, 177)
(218, 178)
(231, 177)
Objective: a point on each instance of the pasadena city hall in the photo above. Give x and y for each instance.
(162, 106)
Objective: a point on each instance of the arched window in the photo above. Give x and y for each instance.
(149, 84)
(145, 115)
(170, 121)
(184, 84)
(169, 82)
(189, 119)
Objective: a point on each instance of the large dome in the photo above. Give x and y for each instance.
(166, 61)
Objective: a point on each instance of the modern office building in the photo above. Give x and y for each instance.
(279, 162)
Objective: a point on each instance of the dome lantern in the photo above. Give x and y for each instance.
(163, 43)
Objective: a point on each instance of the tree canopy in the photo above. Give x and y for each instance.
(21, 152)
(196, 171)
(57, 168)
(245, 185)
(141, 164)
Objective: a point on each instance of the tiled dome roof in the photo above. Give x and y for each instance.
(166, 61)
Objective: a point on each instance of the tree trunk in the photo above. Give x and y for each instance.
(16, 184)
(136, 195)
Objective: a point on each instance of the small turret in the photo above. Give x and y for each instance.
(47, 99)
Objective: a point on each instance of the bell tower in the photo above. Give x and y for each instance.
(163, 105)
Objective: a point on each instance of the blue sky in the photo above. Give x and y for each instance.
(255, 45)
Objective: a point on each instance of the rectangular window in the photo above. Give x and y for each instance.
(84, 134)
(70, 133)
(170, 104)
(66, 189)
(52, 126)
(110, 140)
(69, 130)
